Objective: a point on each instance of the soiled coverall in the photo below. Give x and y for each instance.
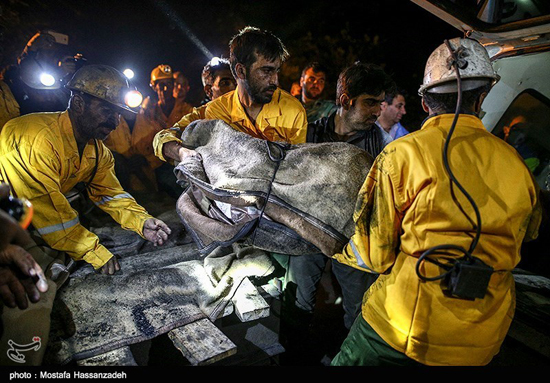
(174, 133)
(404, 208)
(283, 119)
(40, 160)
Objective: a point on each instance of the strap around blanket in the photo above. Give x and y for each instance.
(283, 147)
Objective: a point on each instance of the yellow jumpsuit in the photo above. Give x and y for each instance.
(405, 207)
(282, 119)
(40, 160)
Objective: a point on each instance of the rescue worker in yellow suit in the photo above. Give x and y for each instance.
(257, 106)
(43, 156)
(136, 144)
(414, 223)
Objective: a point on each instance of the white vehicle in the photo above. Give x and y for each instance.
(516, 34)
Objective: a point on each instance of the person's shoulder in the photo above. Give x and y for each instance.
(289, 100)
(224, 99)
(222, 103)
(39, 131)
(33, 123)
(326, 103)
(413, 142)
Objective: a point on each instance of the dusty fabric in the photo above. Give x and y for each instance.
(152, 294)
(311, 200)
(124, 242)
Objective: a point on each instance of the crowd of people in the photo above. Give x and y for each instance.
(82, 135)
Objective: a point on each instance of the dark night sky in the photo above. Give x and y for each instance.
(143, 34)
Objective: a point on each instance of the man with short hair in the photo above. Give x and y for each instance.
(257, 106)
(46, 158)
(361, 89)
(391, 113)
(415, 226)
(312, 83)
(217, 78)
(44, 155)
(359, 94)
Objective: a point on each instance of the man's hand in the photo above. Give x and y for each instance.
(111, 267)
(156, 231)
(20, 276)
(176, 152)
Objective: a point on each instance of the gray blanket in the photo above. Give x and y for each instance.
(153, 293)
(310, 201)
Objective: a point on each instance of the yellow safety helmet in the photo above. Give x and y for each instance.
(162, 72)
(105, 83)
(474, 66)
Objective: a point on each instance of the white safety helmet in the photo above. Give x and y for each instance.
(473, 62)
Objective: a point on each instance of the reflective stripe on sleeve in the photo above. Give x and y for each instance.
(106, 199)
(58, 227)
(358, 258)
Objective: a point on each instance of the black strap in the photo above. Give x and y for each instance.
(283, 146)
(82, 187)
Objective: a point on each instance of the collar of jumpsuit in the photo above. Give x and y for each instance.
(86, 162)
(271, 124)
(269, 110)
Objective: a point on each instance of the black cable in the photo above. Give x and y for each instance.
(475, 240)
(94, 171)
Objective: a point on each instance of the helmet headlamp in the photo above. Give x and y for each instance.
(133, 98)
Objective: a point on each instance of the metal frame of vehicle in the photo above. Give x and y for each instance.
(519, 49)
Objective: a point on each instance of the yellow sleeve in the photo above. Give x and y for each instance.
(174, 133)
(54, 218)
(106, 192)
(299, 129)
(374, 245)
(537, 215)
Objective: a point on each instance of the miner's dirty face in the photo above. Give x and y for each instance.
(313, 84)
(96, 118)
(262, 79)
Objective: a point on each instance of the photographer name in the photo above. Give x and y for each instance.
(69, 375)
